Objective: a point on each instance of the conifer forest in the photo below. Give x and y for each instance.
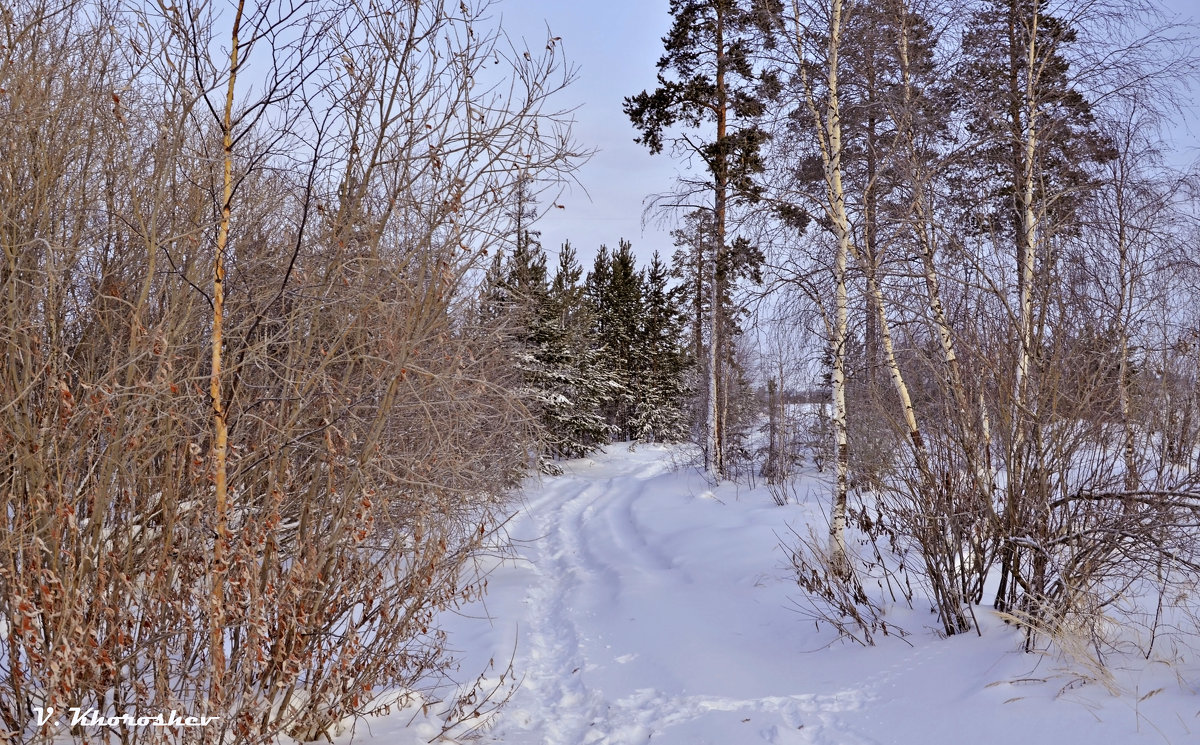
(283, 347)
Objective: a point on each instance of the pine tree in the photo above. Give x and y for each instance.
(689, 266)
(886, 53)
(1039, 141)
(697, 290)
(1024, 109)
(707, 76)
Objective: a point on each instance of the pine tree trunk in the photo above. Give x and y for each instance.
(716, 338)
(716, 464)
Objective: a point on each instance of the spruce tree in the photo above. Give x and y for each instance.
(549, 324)
(492, 295)
(582, 379)
(660, 413)
(620, 317)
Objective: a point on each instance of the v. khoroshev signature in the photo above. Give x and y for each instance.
(81, 717)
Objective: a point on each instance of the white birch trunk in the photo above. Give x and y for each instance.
(1027, 242)
(828, 129)
(1124, 313)
(836, 197)
(897, 377)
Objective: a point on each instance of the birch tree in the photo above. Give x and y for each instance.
(814, 37)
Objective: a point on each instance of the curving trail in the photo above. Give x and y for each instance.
(634, 631)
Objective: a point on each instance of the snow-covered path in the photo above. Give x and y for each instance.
(634, 630)
(643, 607)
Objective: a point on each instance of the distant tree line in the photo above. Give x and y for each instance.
(600, 355)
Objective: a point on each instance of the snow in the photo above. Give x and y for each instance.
(645, 605)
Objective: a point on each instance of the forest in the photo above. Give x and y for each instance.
(281, 341)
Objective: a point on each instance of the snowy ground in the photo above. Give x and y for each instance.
(647, 607)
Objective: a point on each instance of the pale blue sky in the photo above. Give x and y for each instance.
(615, 45)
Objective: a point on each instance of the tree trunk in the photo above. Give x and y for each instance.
(220, 425)
(836, 198)
(716, 462)
(717, 408)
(771, 468)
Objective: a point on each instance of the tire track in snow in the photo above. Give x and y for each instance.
(573, 561)
(628, 534)
(565, 708)
(591, 550)
(575, 532)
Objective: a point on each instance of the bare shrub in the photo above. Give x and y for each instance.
(834, 593)
(253, 436)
